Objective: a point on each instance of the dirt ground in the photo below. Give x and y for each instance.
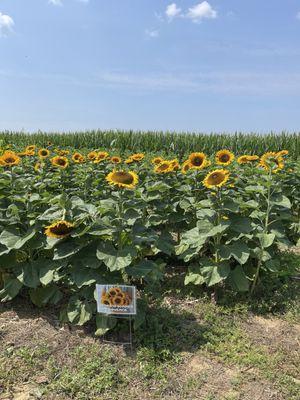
(257, 359)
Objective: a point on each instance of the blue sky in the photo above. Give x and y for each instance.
(152, 65)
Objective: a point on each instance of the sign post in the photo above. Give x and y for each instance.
(119, 301)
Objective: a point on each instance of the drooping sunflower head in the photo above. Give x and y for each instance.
(186, 166)
(62, 152)
(78, 158)
(9, 159)
(101, 156)
(282, 153)
(60, 162)
(216, 178)
(30, 150)
(137, 156)
(174, 164)
(59, 229)
(115, 159)
(157, 160)
(43, 153)
(224, 157)
(92, 155)
(271, 162)
(163, 168)
(123, 179)
(197, 160)
(246, 159)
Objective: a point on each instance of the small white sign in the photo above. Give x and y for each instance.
(116, 299)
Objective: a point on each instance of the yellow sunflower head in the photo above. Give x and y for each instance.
(174, 164)
(157, 160)
(101, 156)
(186, 166)
(60, 162)
(224, 157)
(123, 179)
(129, 160)
(197, 160)
(78, 158)
(62, 152)
(92, 155)
(9, 159)
(246, 159)
(282, 153)
(216, 178)
(43, 153)
(271, 162)
(137, 156)
(115, 159)
(163, 167)
(30, 150)
(114, 291)
(59, 229)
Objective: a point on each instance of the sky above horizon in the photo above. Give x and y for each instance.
(150, 65)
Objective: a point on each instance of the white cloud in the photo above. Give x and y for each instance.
(298, 15)
(152, 33)
(172, 11)
(55, 2)
(201, 11)
(6, 24)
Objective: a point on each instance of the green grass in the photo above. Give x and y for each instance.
(161, 142)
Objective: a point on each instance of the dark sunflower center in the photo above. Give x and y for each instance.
(60, 161)
(224, 157)
(44, 152)
(9, 160)
(163, 167)
(216, 178)
(197, 161)
(123, 177)
(118, 300)
(61, 229)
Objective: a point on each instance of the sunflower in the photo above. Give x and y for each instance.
(117, 301)
(114, 291)
(163, 167)
(137, 156)
(101, 155)
(59, 229)
(43, 153)
(129, 160)
(157, 160)
(271, 162)
(78, 158)
(106, 301)
(174, 164)
(185, 167)
(216, 178)
(60, 162)
(115, 159)
(224, 157)
(92, 155)
(29, 150)
(197, 160)
(245, 159)
(62, 152)
(282, 153)
(9, 159)
(123, 179)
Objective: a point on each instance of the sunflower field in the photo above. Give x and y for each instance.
(70, 219)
